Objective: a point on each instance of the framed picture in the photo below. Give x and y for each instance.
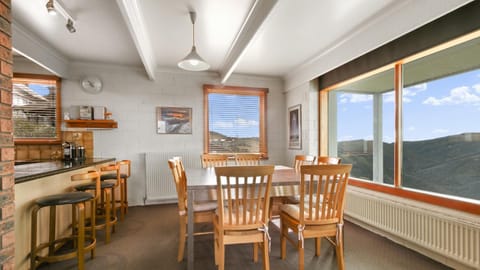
(295, 127)
(174, 120)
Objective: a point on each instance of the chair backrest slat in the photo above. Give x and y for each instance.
(247, 159)
(322, 188)
(214, 160)
(179, 178)
(247, 190)
(303, 160)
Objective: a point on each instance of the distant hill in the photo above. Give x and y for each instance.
(222, 143)
(448, 165)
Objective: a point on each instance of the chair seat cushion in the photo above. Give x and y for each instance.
(92, 186)
(204, 206)
(112, 176)
(293, 210)
(64, 198)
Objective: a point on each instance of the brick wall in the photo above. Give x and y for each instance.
(7, 207)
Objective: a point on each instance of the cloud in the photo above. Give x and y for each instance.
(245, 123)
(440, 131)
(346, 138)
(411, 128)
(407, 93)
(477, 88)
(355, 98)
(239, 122)
(458, 95)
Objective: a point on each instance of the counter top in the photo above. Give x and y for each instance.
(37, 169)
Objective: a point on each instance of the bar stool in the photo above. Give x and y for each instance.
(111, 174)
(124, 175)
(105, 212)
(78, 201)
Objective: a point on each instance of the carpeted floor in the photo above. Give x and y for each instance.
(148, 239)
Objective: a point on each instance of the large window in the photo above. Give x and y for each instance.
(414, 124)
(36, 108)
(235, 120)
(358, 135)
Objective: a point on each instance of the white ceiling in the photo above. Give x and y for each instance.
(262, 37)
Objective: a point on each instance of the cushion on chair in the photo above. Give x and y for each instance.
(91, 186)
(204, 206)
(112, 176)
(293, 210)
(64, 198)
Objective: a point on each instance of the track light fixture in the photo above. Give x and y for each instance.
(70, 26)
(193, 61)
(54, 7)
(51, 8)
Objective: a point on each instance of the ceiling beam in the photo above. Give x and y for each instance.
(38, 51)
(254, 20)
(134, 19)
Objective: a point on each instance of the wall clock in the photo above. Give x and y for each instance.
(92, 84)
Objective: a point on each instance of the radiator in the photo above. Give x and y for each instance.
(159, 186)
(450, 240)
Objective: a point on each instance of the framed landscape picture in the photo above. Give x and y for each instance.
(295, 127)
(174, 120)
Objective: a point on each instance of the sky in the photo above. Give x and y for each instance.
(234, 115)
(438, 108)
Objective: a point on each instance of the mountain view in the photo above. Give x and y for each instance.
(448, 165)
(224, 144)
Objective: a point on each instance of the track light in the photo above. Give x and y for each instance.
(55, 7)
(70, 26)
(51, 8)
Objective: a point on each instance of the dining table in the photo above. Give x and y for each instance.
(202, 184)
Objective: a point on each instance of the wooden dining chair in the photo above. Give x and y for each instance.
(242, 217)
(307, 160)
(303, 160)
(316, 218)
(214, 160)
(326, 160)
(247, 159)
(203, 211)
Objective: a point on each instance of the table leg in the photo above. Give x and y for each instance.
(190, 246)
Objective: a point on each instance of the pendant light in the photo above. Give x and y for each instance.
(193, 61)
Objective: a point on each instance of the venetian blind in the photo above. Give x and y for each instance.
(34, 109)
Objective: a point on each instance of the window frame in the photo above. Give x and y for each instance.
(237, 90)
(39, 78)
(462, 204)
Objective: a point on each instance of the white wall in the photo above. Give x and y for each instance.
(132, 99)
(307, 96)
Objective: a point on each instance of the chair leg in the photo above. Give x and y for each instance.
(255, 252)
(51, 228)
(221, 254)
(181, 238)
(126, 195)
(283, 240)
(339, 247)
(108, 201)
(301, 255)
(113, 206)
(318, 242)
(93, 231)
(122, 199)
(81, 236)
(266, 258)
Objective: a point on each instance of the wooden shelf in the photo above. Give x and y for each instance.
(91, 124)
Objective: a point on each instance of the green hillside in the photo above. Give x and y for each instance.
(448, 165)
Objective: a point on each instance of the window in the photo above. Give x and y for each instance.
(363, 132)
(426, 142)
(36, 108)
(235, 120)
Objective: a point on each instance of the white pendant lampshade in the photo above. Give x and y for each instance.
(193, 61)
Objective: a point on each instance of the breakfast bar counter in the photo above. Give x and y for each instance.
(35, 179)
(34, 169)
